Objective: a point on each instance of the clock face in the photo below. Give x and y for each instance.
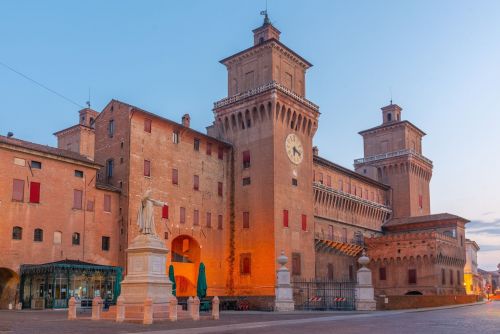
(294, 149)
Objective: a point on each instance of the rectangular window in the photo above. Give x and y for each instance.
(111, 128)
(321, 178)
(219, 189)
(107, 203)
(451, 277)
(330, 271)
(246, 159)
(109, 168)
(196, 182)
(412, 276)
(196, 144)
(330, 232)
(246, 219)
(147, 168)
(75, 239)
(246, 181)
(105, 243)
(220, 153)
(182, 216)
(304, 222)
(175, 137)
(147, 125)
(77, 199)
(329, 181)
(295, 182)
(382, 274)
(296, 265)
(18, 190)
(209, 148)
(341, 185)
(443, 277)
(458, 277)
(34, 192)
(164, 212)
(245, 264)
(351, 272)
(36, 164)
(219, 222)
(90, 205)
(285, 218)
(420, 202)
(196, 218)
(209, 220)
(175, 176)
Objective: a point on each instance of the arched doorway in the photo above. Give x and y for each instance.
(414, 293)
(8, 287)
(185, 257)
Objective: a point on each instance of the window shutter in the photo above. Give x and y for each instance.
(246, 159)
(107, 203)
(209, 148)
(34, 192)
(246, 219)
(285, 218)
(183, 216)
(77, 199)
(196, 217)
(164, 212)
(220, 153)
(304, 222)
(175, 176)
(147, 125)
(209, 219)
(219, 188)
(147, 168)
(18, 190)
(196, 182)
(219, 223)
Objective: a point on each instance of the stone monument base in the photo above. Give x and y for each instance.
(146, 290)
(366, 305)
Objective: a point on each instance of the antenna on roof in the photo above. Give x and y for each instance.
(88, 101)
(266, 17)
(390, 88)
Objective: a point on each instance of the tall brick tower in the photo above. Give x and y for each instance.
(393, 155)
(271, 126)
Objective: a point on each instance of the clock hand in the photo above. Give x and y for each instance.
(295, 151)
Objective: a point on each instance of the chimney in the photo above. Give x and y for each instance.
(315, 151)
(186, 120)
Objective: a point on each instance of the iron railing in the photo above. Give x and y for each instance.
(323, 294)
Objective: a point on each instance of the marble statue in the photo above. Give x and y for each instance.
(145, 216)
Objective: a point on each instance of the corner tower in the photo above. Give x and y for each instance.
(393, 155)
(271, 125)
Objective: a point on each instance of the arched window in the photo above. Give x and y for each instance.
(389, 117)
(57, 237)
(75, 239)
(17, 233)
(38, 234)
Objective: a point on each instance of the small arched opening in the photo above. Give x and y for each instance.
(8, 287)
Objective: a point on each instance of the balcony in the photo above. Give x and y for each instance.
(272, 85)
(350, 247)
(392, 155)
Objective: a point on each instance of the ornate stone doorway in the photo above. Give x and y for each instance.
(8, 287)
(185, 257)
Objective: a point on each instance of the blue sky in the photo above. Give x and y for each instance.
(440, 59)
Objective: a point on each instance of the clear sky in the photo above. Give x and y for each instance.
(440, 59)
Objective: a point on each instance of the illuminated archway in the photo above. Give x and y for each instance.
(185, 257)
(8, 287)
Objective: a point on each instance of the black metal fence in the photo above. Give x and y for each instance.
(322, 294)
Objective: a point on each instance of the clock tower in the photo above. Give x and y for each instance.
(270, 124)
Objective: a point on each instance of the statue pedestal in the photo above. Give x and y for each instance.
(365, 296)
(284, 292)
(146, 278)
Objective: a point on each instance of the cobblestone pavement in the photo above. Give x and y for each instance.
(484, 318)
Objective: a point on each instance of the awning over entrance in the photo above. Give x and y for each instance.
(50, 285)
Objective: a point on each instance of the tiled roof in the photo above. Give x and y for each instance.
(46, 149)
(423, 219)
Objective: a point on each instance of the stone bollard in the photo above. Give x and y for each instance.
(215, 308)
(172, 309)
(190, 305)
(195, 311)
(72, 309)
(120, 309)
(148, 312)
(96, 308)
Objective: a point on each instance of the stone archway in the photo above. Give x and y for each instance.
(185, 257)
(9, 280)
